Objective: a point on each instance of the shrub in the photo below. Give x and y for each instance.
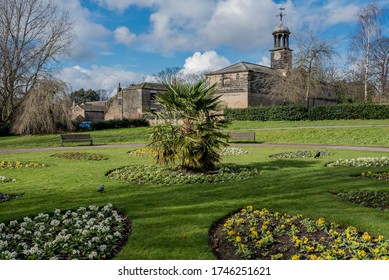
(297, 113)
(5, 164)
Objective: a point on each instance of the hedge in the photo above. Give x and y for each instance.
(297, 113)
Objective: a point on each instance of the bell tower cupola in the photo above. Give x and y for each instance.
(281, 54)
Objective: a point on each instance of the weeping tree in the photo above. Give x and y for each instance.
(190, 127)
(45, 109)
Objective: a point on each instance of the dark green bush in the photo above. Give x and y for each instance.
(297, 113)
(274, 113)
(349, 112)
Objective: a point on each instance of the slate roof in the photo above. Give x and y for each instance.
(243, 67)
(157, 86)
(96, 106)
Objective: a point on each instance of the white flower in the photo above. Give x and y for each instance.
(92, 255)
(55, 223)
(57, 211)
(103, 248)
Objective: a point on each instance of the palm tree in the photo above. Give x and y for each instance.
(190, 127)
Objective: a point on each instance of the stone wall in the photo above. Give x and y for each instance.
(233, 88)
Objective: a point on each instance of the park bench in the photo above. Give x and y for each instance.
(241, 136)
(76, 138)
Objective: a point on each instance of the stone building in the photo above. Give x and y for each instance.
(89, 111)
(244, 84)
(133, 101)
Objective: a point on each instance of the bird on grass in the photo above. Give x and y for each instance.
(101, 188)
(318, 155)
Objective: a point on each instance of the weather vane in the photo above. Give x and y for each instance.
(281, 15)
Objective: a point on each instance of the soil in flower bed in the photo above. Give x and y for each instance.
(80, 156)
(260, 234)
(4, 197)
(379, 200)
(300, 154)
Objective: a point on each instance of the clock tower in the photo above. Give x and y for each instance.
(281, 54)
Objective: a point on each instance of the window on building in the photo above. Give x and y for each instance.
(153, 106)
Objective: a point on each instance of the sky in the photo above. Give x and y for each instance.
(127, 41)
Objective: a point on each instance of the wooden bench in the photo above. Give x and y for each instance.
(76, 138)
(241, 136)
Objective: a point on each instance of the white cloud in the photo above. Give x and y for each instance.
(202, 62)
(90, 37)
(338, 14)
(98, 77)
(124, 35)
(265, 60)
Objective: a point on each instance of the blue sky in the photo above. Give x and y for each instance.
(128, 41)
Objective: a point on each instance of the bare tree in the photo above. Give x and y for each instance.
(369, 28)
(380, 66)
(168, 76)
(45, 109)
(311, 75)
(313, 55)
(34, 36)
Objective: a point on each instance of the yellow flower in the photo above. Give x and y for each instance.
(249, 208)
(231, 232)
(380, 238)
(361, 253)
(295, 257)
(238, 239)
(366, 237)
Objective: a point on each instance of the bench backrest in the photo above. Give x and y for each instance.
(76, 136)
(249, 135)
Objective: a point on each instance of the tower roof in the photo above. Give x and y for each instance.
(281, 28)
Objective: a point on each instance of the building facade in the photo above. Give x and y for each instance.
(245, 84)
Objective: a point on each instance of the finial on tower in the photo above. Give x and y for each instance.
(281, 15)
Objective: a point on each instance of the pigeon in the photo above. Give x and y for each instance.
(318, 155)
(101, 188)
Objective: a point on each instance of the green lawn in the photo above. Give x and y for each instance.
(172, 222)
(357, 132)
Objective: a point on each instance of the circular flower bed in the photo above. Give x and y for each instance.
(80, 156)
(382, 176)
(147, 152)
(300, 154)
(152, 174)
(5, 164)
(261, 234)
(7, 197)
(378, 200)
(355, 162)
(87, 233)
(3, 179)
(233, 151)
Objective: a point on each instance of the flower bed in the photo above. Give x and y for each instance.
(147, 152)
(300, 154)
(378, 200)
(382, 176)
(3, 179)
(5, 164)
(7, 197)
(87, 233)
(152, 174)
(80, 156)
(365, 162)
(261, 234)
